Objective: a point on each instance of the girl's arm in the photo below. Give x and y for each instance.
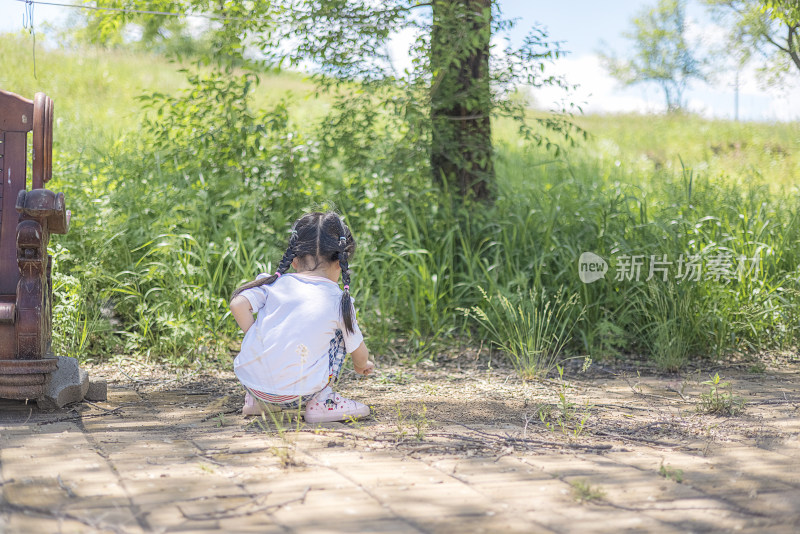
(361, 362)
(242, 312)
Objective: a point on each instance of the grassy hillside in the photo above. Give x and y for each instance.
(171, 215)
(744, 151)
(96, 92)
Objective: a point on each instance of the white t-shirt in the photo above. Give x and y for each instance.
(285, 352)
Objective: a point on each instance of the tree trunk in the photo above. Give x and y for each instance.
(461, 148)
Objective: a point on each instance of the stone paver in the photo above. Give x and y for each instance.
(169, 462)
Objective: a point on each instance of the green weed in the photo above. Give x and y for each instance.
(413, 424)
(565, 415)
(670, 473)
(718, 402)
(279, 425)
(398, 377)
(582, 492)
(206, 468)
(221, 420)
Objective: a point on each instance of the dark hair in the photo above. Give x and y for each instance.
(321, 237)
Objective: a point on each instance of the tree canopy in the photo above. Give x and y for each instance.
(439, 110)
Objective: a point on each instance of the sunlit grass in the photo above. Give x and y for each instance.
(96, 91)
(633, 147)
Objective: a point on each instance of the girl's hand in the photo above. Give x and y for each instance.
(366, 370)
(361, 362)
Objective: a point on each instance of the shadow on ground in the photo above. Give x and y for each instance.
(451, 448)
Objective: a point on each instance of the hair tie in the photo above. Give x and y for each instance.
(278, 273)
(347, 288)
(342, 241)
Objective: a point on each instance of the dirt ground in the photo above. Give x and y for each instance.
(452, 446)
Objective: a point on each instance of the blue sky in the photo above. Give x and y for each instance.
(583, 26)
(580, 23)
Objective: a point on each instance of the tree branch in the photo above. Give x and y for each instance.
(415, 6)
(790, 42)
(770, 40)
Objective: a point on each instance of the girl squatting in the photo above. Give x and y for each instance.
(294, 348)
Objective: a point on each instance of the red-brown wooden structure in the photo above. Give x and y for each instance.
(28, 215)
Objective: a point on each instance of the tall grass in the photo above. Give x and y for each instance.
(168, 220)
(531, 329)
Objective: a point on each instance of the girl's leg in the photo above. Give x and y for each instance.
(327, 405)
(254, 406)
(336, 354)
(257, 402)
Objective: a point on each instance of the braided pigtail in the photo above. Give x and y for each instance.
(346, 306)
(283, 266)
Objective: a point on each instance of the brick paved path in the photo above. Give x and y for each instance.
(167, 461)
